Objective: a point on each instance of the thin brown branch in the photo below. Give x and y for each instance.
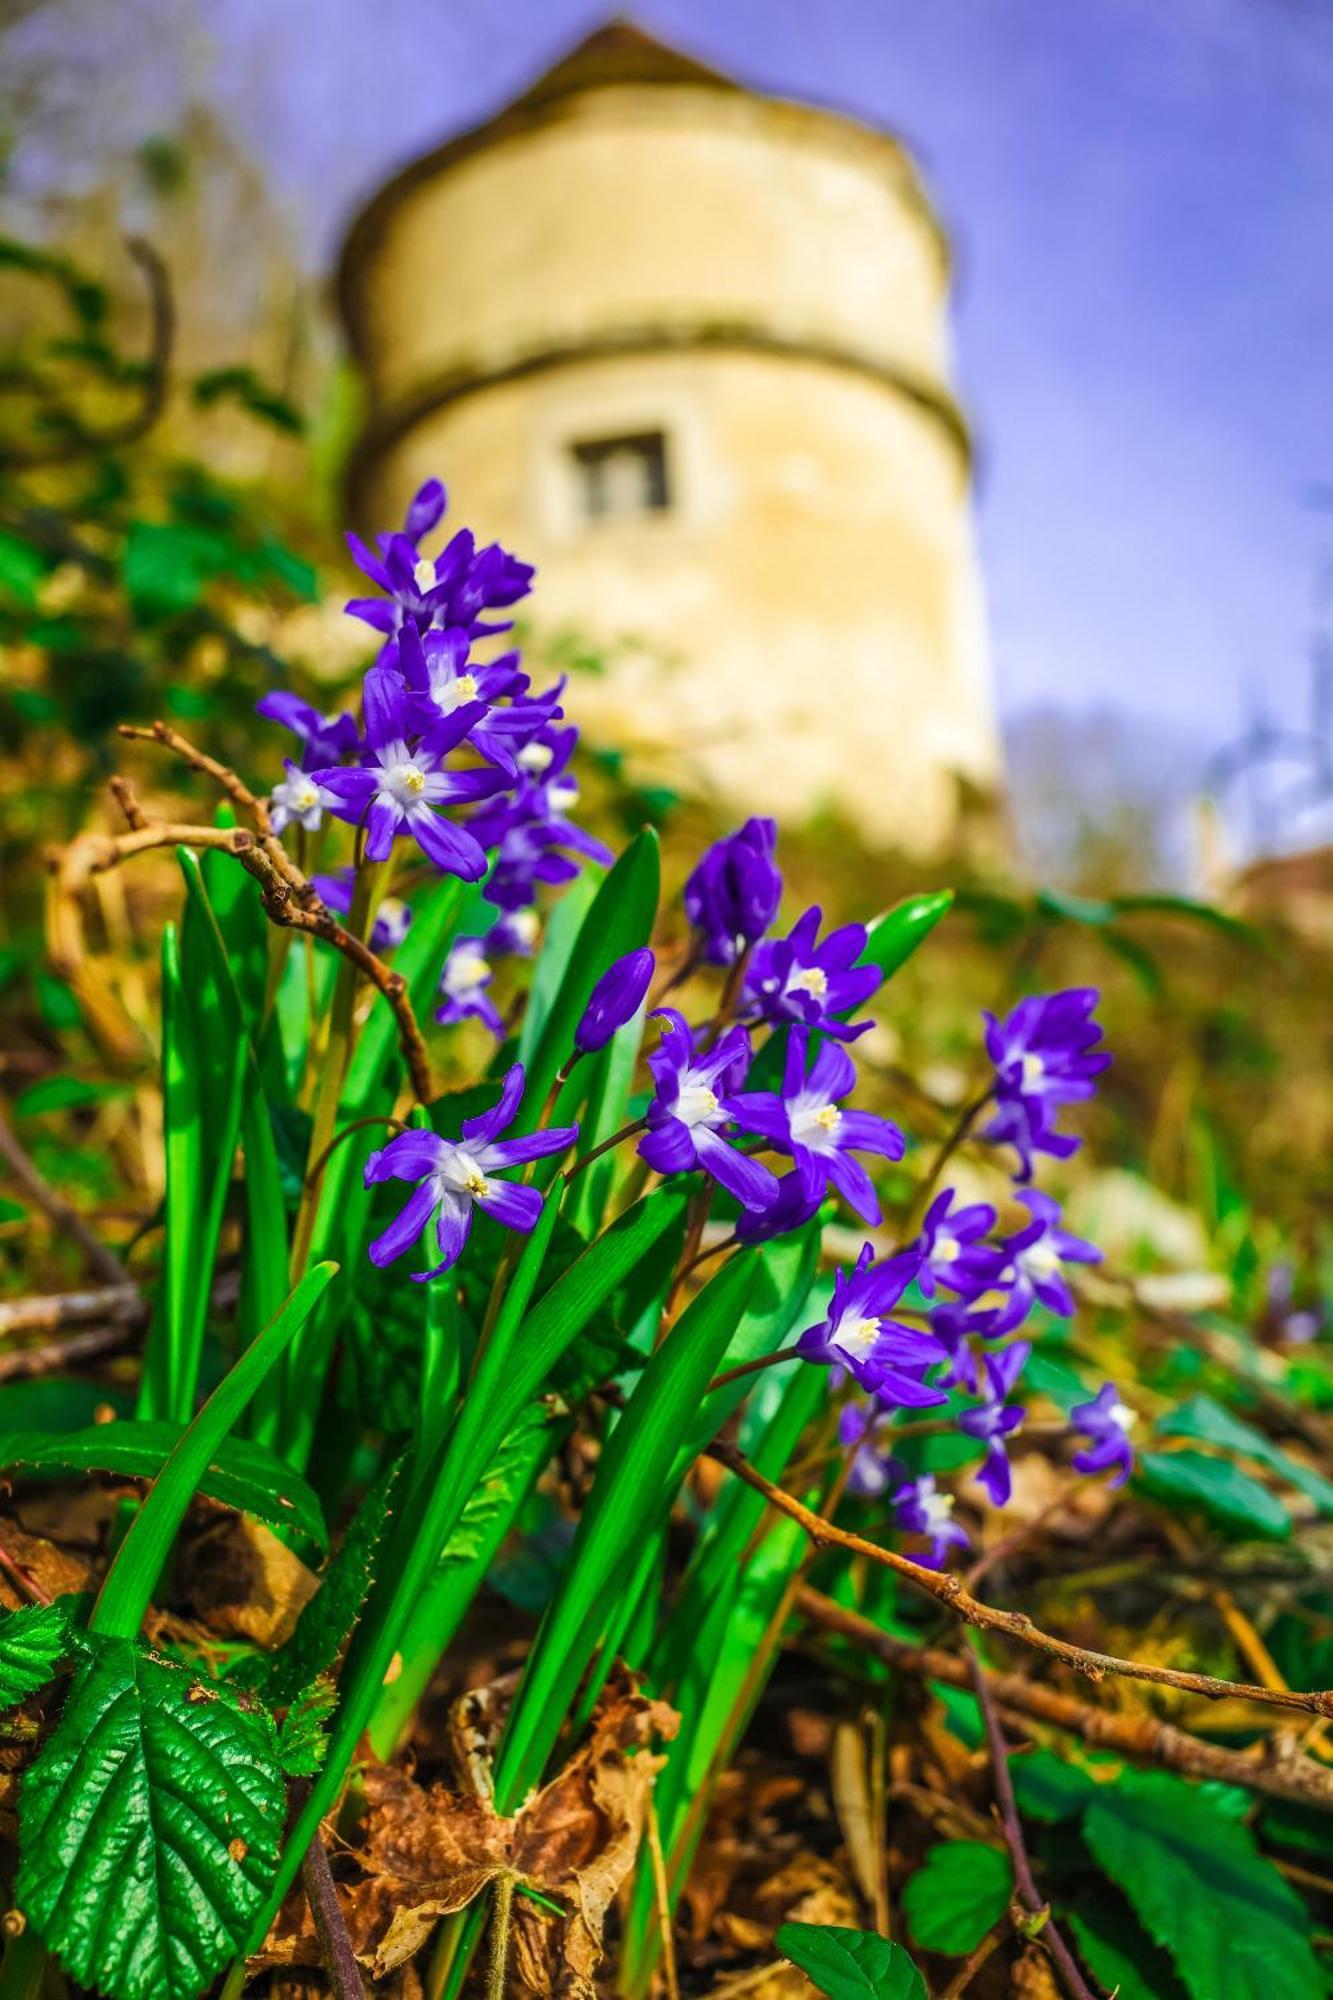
(330, 1926)
(950, 1591)
(288, 898)
(107, 1312)
(1274, 1769)
(67, 1221)
(198, 760)
(1011, 1825)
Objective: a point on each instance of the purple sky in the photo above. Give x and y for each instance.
(1141, 194)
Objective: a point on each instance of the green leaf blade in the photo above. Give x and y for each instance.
(962, 1891)
(851, 1965)
(33, 1642)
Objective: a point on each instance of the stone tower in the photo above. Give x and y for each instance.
(684, 347)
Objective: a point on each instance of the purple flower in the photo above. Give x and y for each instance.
(529, 830)
(798, 979)
(1106, 1423)
(514, 935)
(463, 983)
(805, 1121)
(615, 999)
(425, 510)
(872, 1466)
(453, 1176)
(452, 588)
(299, 797)
(920, 1508)
(952, 1253)
(691, 1105)
(324, 738)
(442, 678)
(886, 1357)
(1043, 1057)
(1030, 1268)
(996, 1419)
(791, 1207)
(733, 895)
(393, 918)
(396, 789)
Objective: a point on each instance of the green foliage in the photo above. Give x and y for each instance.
(964, 1889)
(1192, 1480)
(149, 1826)
(240, 1474)
(850, 1965)
(1203, 1418)
(1201, 1889)
(33, 1642)
(326, 1621)
(302, 1741)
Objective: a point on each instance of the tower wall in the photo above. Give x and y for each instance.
(758, 291)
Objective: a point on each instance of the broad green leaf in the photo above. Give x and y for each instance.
(1202, 1417)
(130, 1581)
(328, 1618)
(240, 1474)
(148, 1827)
(964, 1888)
(1118, 1951)
(1201, 1889)
(620, 920)
(892, 938)
(850, 1965)
(628, 1495)
(33, 1642)
(302, 1739)
(1220, 1488)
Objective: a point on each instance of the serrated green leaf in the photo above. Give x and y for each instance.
(1118, 1951)
(964, 1888)
(1202, 1890)
(240, 1474)
(493, 1495)
(850, 1965)
(148, 1827)
(33, 1642)
(328, 1618)
(1202, 1417)
(1220, 1488)
(302, 1741)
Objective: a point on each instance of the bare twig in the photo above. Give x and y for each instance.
(1011, 1826)
(972, 1965)
(198, 760)
(66, 1219)
(107, 1311)
(334, 1944)
(950, 1591)
(1275, 1769)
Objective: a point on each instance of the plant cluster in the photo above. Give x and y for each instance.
(779, 1327)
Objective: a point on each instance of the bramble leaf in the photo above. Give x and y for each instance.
(302, 1743)
(148, 1827)
(850, 1965)
(1201, 1888)
(33, 1642)
(963, 1889)
(327, 1619)
(1202, 1417)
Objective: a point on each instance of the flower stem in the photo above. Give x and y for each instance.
(753, 1367)
(500, 1922)
(625, 1132)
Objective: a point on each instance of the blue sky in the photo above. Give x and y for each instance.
(1141, 195)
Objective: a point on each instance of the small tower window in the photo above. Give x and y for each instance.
(622, 477)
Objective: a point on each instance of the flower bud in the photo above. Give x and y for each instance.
(615, 999)
(733, 895)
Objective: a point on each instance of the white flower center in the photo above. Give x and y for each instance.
(392, 911)
(451, 694)
(815, 1122)
(1123, 1416)
(858, 1338)
(696, 1104)
(1034, 1069)
(404, 782)
(563, 794)
(525, 925)
(535, 757)
(1041, 1261)
(937, 1508)
(423, 574)
(947, 1250)
(464, 1174)
(466, 970)
(303, 796)
(811, 979)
